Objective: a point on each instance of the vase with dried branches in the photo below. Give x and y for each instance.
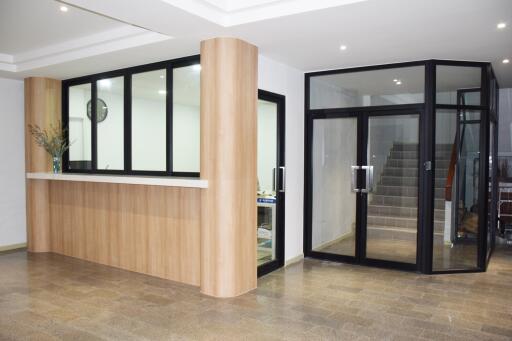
(53, 140)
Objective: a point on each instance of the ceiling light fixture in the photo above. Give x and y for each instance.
(63, 9)
(505, 61)
(343, 47)
(162, 92)
(399, 82)
(162, 76)
(196, 67)
(501, 25)
(395, 80)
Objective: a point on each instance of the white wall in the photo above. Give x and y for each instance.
(12, 166)
(287, 81)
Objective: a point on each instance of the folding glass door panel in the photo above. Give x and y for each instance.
(392, 159)
(334, 176)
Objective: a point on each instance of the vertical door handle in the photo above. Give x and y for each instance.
(369, 179)
(282, 184)
(353, 170)
(274, 179)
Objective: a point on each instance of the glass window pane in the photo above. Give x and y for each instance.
(185, 115)
(334, 203)
(392, 223)
(267, 165)
(368, 88)
(149, 121)
(491, 199)
(110, 118)
(457, 84)
(79, 127)
(456, 191)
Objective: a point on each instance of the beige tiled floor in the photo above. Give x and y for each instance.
(459, 256)
(48, 297)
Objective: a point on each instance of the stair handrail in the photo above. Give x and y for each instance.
(451, 172)
(453, 157)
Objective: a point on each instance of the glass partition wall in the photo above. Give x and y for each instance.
(400, 167)
(142, 120)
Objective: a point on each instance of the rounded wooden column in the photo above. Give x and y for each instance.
(43, 108)
(229, 93)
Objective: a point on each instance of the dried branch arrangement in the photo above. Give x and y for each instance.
(53, 140)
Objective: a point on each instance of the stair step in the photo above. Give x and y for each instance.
(405, 147)
(387, 180)
(398, 146)
(400, 154)
(408, 191)
(412, 163)
(410, 172)
(402, 201)
(397, 211)
(400, 222)
(386, 232)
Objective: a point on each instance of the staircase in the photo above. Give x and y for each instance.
(393, 205)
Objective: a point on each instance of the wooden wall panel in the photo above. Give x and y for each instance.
(149, 229)
(42, 107)
(229, 93)
(38, 216)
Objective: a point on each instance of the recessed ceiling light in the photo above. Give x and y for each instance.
(398, 82)
(63, 9)
(506, 61)
(105, 83)
(395, 80)
(162, 92)
(501, 25)
(196, 67)
(343, 47)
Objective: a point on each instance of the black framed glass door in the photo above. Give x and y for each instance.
(391, 169)
(335, 203)
(271, 182)
(364, 187)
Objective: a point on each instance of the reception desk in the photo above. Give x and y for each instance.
(149, 225)
(193, 231)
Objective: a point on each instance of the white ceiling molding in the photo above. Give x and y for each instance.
(108, 41)
(229, 13)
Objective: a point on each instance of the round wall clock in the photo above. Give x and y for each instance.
(101, 110)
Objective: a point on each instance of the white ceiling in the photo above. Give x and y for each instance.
(30, 25)
(303, 34)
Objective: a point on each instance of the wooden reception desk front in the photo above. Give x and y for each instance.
(149, 225)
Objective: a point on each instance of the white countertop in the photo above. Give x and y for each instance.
(123, 179)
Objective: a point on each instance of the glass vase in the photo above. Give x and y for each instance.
(56, 165)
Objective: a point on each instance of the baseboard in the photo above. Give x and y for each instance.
(334, 241)
(13, 247)
(294, 260)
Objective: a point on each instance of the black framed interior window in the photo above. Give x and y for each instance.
(142, 120)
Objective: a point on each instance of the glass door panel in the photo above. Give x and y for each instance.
(392, 199)
(334, 154)
(267, 165)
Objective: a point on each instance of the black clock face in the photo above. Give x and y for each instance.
(101, 110)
